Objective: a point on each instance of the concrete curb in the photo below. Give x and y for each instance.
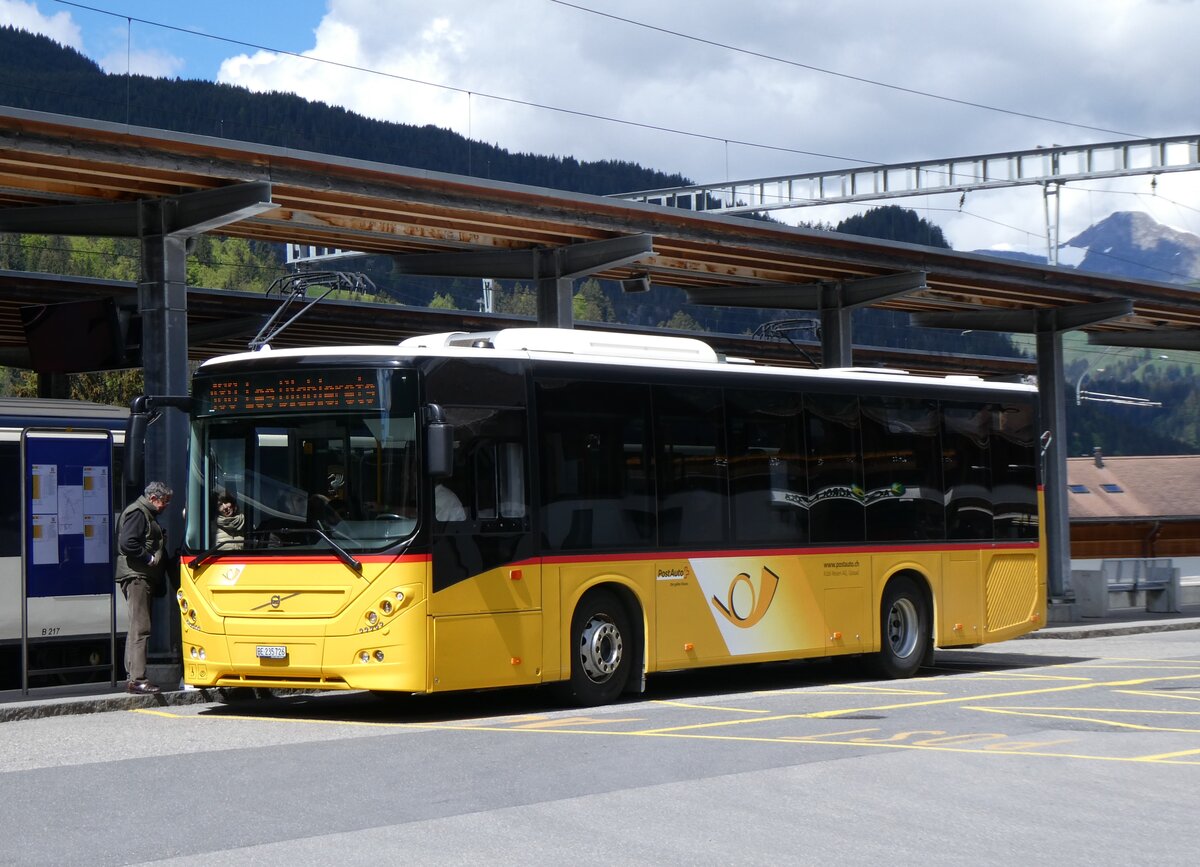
(1108, 629)
(34, 708)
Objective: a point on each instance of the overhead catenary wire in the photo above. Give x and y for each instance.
(470, 93)
(861, 79)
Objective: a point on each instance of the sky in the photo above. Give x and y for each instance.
(715, 90)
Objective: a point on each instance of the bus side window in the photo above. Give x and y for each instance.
(967, 470)
(692, 466)
(488, 485)
(835, 472)
(903, 494)
(768, 486)
(596, 489)
(1015, 471)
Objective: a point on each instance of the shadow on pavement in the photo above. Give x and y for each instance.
(401, 708)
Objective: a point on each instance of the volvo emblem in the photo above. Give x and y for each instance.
(275, 601)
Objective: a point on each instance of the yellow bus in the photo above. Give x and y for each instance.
(528, 506)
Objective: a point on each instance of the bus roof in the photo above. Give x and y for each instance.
(597, 347)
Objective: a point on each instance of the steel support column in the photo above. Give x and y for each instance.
(554, 302)
(837, 341)
(162, 304)
(1052, 405)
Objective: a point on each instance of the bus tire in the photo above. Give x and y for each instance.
(903, 629)
(601, 649)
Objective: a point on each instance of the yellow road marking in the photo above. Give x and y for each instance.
(818, 740)
(964, 698)
(1071, 718)
(804, 738)
(708, 706)
(574, 720)
(1182, 695)
(1167, 666)
(853, 689)
(244, 718)
(1162, 756)
(1096, 710)
(1019, 676)
(1165, 662)
(719, 723)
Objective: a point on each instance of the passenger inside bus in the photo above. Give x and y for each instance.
(231, 523)
(446, 504)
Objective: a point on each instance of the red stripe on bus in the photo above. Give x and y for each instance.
(315, 558)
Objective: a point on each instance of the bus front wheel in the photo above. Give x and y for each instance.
(601, 649)
(904, 629)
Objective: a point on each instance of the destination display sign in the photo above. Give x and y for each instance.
(289, 391)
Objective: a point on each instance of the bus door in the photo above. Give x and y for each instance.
(486, 594)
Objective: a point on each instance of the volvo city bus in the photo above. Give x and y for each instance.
(529, 506)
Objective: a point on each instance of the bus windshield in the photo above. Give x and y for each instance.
(303, 474)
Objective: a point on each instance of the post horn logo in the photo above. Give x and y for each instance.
(745, 608)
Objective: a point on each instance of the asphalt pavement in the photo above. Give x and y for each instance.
(100, 697)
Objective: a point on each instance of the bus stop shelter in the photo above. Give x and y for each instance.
(65, 175)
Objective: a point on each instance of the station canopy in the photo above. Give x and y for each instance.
(450, 225)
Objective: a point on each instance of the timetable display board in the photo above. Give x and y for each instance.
(68, 514)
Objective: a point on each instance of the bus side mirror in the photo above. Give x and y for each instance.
(144, 409)
(439, 450)
(439, 443)
(135, 443)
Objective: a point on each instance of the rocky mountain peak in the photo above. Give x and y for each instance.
(1133, 244)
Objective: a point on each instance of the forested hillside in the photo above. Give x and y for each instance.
(38, 73)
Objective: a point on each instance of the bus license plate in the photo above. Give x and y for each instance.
(270, 651)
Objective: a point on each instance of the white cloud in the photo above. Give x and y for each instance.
(1115, 68)
(26, 16)
(156, 64)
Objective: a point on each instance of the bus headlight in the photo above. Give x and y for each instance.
(386, 606)
(372, 618)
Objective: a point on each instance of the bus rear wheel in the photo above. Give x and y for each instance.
(601, 649)
(904, 629)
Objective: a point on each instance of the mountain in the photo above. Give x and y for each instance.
(1131, 245)
(1134, 245)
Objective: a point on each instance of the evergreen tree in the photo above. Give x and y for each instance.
(590, 304)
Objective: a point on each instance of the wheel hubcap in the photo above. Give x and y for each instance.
(600, 648)
(902, 627)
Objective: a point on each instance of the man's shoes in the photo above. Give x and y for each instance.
(142, 687)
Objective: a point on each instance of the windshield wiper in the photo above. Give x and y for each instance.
(342, 554)
(211, 552)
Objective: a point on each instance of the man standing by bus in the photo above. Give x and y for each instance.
(141, 572)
